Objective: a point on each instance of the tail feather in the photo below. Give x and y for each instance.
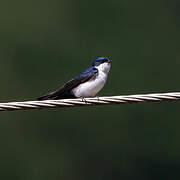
(51, 95)
(55, 95)
(43, 98)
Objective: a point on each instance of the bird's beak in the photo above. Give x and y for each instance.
(109, 61)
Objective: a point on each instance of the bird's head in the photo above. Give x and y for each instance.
(102, 64)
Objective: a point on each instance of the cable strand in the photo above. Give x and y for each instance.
(105, 100)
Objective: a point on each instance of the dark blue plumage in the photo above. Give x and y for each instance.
(100, 60)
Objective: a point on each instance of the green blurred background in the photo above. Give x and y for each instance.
(45, 43)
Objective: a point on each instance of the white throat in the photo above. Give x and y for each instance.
(105, 67)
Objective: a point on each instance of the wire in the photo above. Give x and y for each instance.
(106, 100)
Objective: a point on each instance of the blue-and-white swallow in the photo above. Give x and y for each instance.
(87, 84)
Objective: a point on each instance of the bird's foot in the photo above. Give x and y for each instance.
(97, 98)
(83, 99)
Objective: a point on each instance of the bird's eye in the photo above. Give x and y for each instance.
(104, 60)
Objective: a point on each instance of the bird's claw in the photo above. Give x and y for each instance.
(83, 99)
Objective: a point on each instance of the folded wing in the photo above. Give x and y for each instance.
(65, 90)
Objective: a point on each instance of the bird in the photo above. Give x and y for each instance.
(87, 84)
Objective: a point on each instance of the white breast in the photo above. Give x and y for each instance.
(92, 87)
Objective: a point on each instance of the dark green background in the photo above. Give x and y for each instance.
(45, 43)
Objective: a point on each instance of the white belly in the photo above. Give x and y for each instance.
(92, 87)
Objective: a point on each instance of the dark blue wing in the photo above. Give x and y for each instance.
(64, 91)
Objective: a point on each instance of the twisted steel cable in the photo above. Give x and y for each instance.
(62, 103)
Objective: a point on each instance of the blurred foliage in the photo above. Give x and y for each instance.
(45, 43)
